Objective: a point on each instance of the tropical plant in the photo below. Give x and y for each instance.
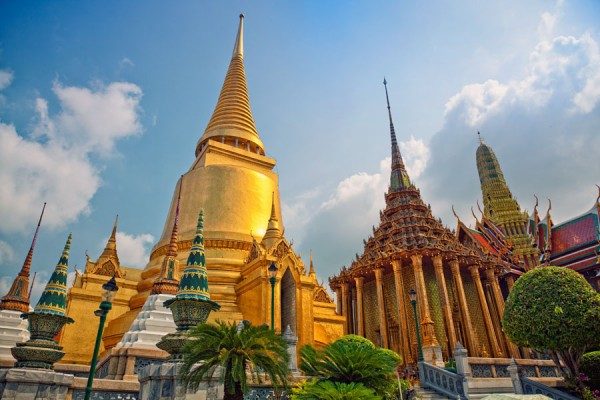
(351, 360)
(235, 351)
(590, 366)
(556, 310)
(328, 390)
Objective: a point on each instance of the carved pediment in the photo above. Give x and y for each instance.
(322, 295)
(108, 268)
(281, 249)
(255, 252)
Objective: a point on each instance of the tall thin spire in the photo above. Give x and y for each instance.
(238, 48)
(17, 297)
(311, 271)
(168, 279)
(232, 121)
(399, 177)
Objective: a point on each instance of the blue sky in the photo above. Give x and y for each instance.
(101, 105)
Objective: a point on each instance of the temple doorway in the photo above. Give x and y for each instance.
(288, 301)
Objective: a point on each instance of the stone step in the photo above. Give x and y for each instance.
(428, 394)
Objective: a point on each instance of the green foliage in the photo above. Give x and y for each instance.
(222, 346)
(355, 340)
(552, 308)
(555, 309)
(349, 360)
(590, 366)
(328, 390)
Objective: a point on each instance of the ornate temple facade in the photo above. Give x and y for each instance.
(233, 181)
(459, 298)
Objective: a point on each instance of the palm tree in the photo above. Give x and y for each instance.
(349, 360)
(236, 351)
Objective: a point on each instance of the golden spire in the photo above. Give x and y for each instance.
(312, 272)
(232, 120)
(17, 297)
(110, 251)
(168, 279)
(273, 231)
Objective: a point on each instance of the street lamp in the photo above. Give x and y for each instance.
(413, 299)
(108, 294)
(272, 279)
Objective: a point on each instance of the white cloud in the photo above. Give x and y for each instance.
(133, 250)
(7, 253)
(565, 69)
(6, 78)
(53, 165)
(415, 154)
(126, 62)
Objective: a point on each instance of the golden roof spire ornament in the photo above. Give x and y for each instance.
(399, 177)
(311, 271)
(273, 230)
(17, 298)
(168, 279)
(480, 138)
(232, 121)
(111, 245)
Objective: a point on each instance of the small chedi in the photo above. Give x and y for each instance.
(192, 305)
(46, 321)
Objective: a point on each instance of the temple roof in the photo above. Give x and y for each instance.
(232, 116)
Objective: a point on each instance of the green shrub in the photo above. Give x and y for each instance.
(590, 366)
(327, 390)
(554, 309)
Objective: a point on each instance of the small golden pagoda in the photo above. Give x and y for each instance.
(458, 292)
(502, 208)
(233, 181)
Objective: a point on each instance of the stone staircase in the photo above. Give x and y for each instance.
(428, 394)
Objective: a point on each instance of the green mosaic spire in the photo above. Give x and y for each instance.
(194, 282)
(54, 297)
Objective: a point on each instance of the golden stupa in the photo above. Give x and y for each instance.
(234, 182)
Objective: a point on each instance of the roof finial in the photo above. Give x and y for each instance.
(455, 214)
(480, 210)
(597, 198)
(474, 216)
(238, 48)
(480, 138)
(311, 271)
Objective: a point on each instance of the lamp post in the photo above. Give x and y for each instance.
(109, 291)
(413, 300)
(272, 279)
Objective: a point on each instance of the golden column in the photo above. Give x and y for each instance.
(338, 296)
(360, 313)
(462, 301)
(510, 282)
(487, 318)
(499, 299)
(398, 281)
(429, 338)
(381, 303)
(345, 307)
(443, 291)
